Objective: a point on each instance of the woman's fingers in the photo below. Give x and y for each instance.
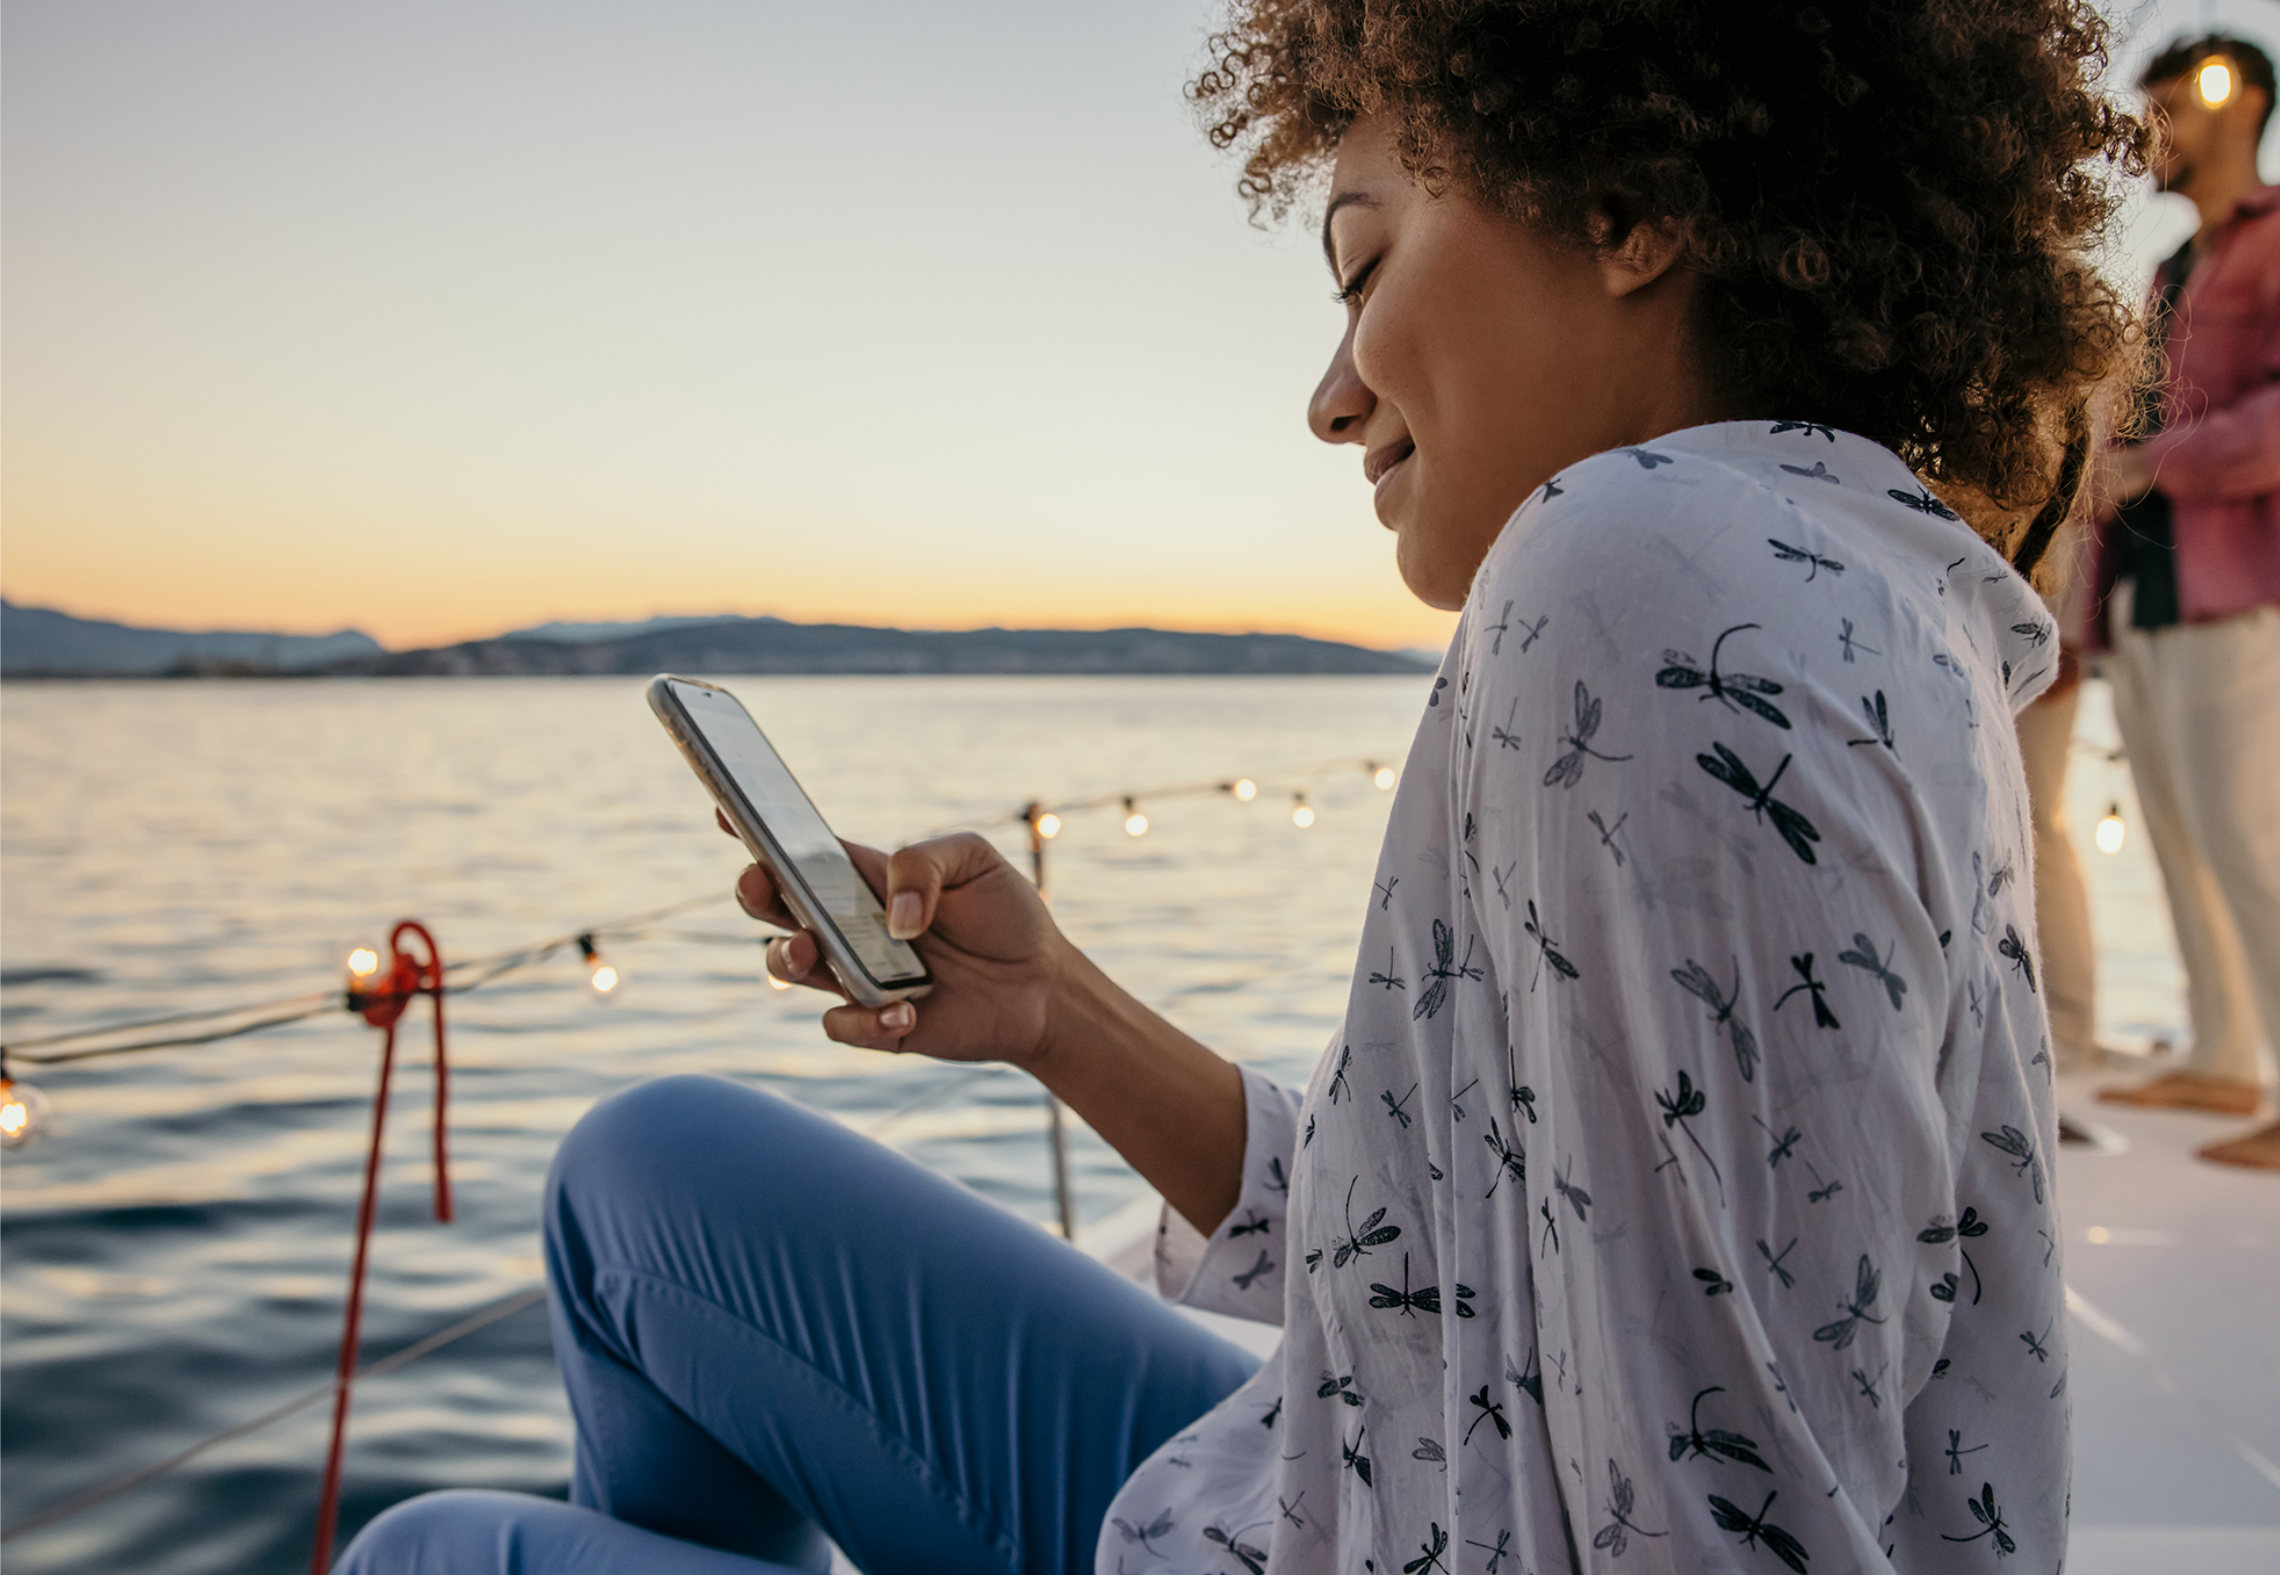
(883, 1029)
(756, 894)
(796, 959)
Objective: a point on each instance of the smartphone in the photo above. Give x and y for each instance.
(781, 826)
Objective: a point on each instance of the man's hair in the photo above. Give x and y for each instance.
(1892, 206)
(2251, 64)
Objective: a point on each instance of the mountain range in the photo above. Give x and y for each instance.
(37, 642)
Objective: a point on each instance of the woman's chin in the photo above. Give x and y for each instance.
(1429, 575)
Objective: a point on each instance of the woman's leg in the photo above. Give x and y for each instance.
(470, 1533)
(2062, 906)
(768, 1325)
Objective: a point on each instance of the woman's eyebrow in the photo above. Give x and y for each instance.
(1341, 200)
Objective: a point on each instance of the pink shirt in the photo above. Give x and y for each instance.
(2218, 455)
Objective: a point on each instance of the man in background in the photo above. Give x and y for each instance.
(2188, 570)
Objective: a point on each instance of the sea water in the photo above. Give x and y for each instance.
(173, 1256)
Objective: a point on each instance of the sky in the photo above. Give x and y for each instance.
(436, 320)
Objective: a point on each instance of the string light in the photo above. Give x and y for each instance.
(1301, 812)
(1048, 824)
(23, 1113)
(599, 974)
(1245, 789)
(1135, 823)
(1382, 775)
(2111, 831)
(2214, 82)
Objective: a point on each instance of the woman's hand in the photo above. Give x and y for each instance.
(995, 953)
(1008, 986)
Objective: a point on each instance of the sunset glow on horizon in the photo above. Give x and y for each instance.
(438, 321)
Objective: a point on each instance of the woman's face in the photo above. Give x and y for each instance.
(1480, 358)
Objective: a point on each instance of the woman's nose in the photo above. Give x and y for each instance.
(1342, 402)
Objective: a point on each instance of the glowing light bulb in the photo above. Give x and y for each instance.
(2111, 831)
(363, 963)
(1135, 823)
(599, 974)
(1245, 789)
(1048, 824)
(1301, 812)
(2214, 81)
(1383, 776)
(23, 1113)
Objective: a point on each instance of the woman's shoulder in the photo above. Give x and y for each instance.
(1780, 516)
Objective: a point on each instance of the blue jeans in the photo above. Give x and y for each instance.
(773, 1330)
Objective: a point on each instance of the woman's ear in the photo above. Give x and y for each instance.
(1632, 254)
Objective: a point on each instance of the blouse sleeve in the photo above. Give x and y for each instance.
(1716, 918)
(1238, 1268)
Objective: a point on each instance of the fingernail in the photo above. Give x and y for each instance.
(902, 915)
(899, 1018)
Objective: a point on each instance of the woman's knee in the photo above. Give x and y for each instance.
(649, 1150)
(456, 1532)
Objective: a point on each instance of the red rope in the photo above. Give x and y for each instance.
(407, 977)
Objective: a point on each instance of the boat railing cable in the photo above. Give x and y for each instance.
(474, 1322)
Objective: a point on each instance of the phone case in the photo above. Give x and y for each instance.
(852, 977)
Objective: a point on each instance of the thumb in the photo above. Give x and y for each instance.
(919, 874)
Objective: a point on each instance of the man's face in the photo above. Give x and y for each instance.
(2192, 137)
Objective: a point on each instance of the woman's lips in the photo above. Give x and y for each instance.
(1383, 468)
(1379, 461)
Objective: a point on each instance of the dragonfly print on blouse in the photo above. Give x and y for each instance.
(1851, 644)
(1146, 1535)
(1735, 691)
(1361, 1238)
(1511, 1160)
(2021, 1148)
(1823, 1017)
(1547, 955)
(1968, 1226)
(1838, 1334)
(1252, 1559)
(1879, 720)
(1785, 553)
(2016, 951)
(1679, 1109)
(1989, 1514)
(1754, 1529)
(1567, 771)
(1429, 1551)
(1434, 996)
(1713, 1444)
(1696, 981)
(1791, 823)
(1863, 956)
(1408, 1303)
(1615, 1536)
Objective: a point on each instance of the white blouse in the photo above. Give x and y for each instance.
(1677, 1194)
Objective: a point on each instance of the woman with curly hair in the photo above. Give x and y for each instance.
(1677, 1191)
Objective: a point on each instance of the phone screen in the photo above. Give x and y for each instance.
(776, 797)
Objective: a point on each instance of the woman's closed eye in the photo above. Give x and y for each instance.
(1351, 291)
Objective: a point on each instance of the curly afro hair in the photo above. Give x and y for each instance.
(1892, 205)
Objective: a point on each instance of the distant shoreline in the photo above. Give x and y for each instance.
(40, 644)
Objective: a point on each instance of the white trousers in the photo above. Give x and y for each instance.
(2062, 905)
(2199, 710)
